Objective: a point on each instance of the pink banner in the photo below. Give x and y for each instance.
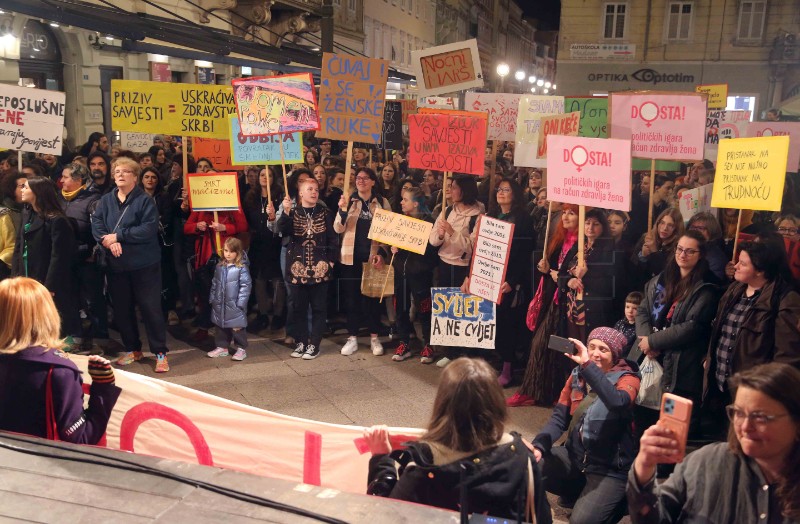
(660, 126)
(589, 171)
(790, 129)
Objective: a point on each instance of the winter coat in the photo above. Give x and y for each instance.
(265, 246)
(205, 243)
(23, 376)
(456, 249)
(80, 209)
(230, 291)
(8, 238)
(496, 478)
(312, 249)
(346, 223)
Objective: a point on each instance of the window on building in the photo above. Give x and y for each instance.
(751, 20)
(615, 18)
(679, 20)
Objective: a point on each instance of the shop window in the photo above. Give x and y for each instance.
(751, 20)
(679, 20)
(615, 18)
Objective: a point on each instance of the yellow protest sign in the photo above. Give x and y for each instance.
(213, 192)
(401, 231)
(751, 173)
(717, 95)
(173, 109)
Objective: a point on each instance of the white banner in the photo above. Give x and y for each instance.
(693, 201)
(136, 142)
(531, 110)
(461, 319)
(502, 109)
(31, 119)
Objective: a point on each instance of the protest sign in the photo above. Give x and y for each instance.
(213, 192)
(589, 171)
(351, 97)
(31, 119)
(392, 136)
(660, 126)
(790, 129)
(502, 110)
(441, 102)
(444, 142)
(409, 108)
(136, 142)
(172, 109)
(215, 150)
(256, 150)
(566, 124)
(751, 173)
(490, 258)
(694, 201)
(269, 105)
(722, 125)
(717, 95)
(401, 231)
(461, 319)
(447, 68)
(531, 110)
(594, 114)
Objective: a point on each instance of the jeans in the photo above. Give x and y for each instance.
(223, 337)
(140, 287)
(316, 296)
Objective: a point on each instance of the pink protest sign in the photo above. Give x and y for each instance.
(790, 129)
(660, 126)
(451, 141)
(589, 171)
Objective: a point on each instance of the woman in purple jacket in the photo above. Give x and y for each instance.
(41, 391)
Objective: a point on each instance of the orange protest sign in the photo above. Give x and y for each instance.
(217, 151)
(566, 124)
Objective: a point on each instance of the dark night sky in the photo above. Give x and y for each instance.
(547, 11)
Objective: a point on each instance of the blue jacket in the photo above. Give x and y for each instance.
(137, 231)
(230, 291)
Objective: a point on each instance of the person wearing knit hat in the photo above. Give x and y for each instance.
(589, 472)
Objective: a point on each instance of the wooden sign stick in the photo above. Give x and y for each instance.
(283, 164)
(581, 235)
(370, 158)
(216, 235)
(444, 192)
(736, 237)
(185, 154)
(386, 280)
(348, 168)
(547, 229)
(652, 186)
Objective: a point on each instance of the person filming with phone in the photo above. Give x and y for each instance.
(595, 408)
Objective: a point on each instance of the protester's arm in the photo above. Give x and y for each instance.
(283, 223)
(697, 325)
(98, 219)
(72, 422)
(434, 237)
(190, 227)
(559, 420)
(619, 397)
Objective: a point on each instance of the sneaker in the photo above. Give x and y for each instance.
(129, 358)
(240, 355)
(443, 362)
(402, 352)
(377, 347)
(162, 365)
(219, 352)
(172, 318)
(518, 399)
(299, 350)
(350, 347)
(311, 353)
(426, 357)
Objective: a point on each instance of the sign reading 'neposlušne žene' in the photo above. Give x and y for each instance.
(31, 119)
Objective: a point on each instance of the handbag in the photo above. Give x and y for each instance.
(535, 307)
(374, 280)
(100, 253)
(649, 395)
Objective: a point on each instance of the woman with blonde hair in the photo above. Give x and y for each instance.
(41, 392)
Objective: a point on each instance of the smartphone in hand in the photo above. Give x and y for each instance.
(561, 345)
(676, 414)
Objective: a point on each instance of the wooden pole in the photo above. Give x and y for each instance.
(581, 237)
(370, 157)
(283, 164)
(217, 238)
(650, 202)
(444, 193)
(269, 183)
(348, 168)
(736, 237)
(547, 229)
(386, 280)
(185, 156)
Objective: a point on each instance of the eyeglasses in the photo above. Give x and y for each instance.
(363, 179)
(688, 252)
(697, 227)
(757, 418)
(503, 190)
(123, 172)
(790, 230)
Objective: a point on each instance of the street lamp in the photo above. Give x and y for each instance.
(532, 79)
(547, 85)
(533, 90)
(502, 71)
(545, 90)
(519, 75)
(554, 87)
(540, 82)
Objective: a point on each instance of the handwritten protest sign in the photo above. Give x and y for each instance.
(409, 108)
(790, 129)
(270, 105)
(445, 142)
(694, 201)
(215, 150)
(566, 124)
(490, 258)
(502, 110)
(589, 171)
(461, 319)
(213, 191)
(136, 142)
(660, 126)
(751, 173)
(447, 68)
(401, 231)
(721, 125)
(351, 96)
(173, 109)
(31, 119)
(441, 102)
(249, 150)
(392, 137)
(594, 114)
(717, 95)
(529, 117)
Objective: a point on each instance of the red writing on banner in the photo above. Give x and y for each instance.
(215, 150)
(446, 69)
(566, 125)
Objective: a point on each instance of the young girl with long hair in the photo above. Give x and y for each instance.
(230, 291)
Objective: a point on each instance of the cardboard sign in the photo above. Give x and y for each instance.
(660, 126)
(751, 173)
(217, 151)
(136, 142)
(721, 125)
(594, 114)
(172, 109)
(31, 119)
(266, 150)
(790, 129)
(566, 125)
(437, 102)
(213, 191)
(589, 171)
(694, 201)
(447, 68)
(490, 258)
(270, 105)
(444, 142)
(409, 108)
(401, 231)
(531, 110)
(351, 97)
(717, 95)
(392, 134)
(502, 110)
(461, 319)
